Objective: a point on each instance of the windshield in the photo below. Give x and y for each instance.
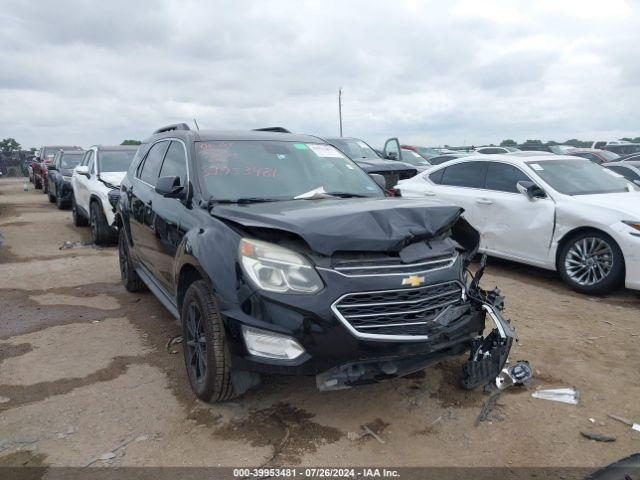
(353, 148)
(232, 170)
(610, 156)
(413, 158)
(115, 160)
(427, 152)
(70, 160)
(579, 177)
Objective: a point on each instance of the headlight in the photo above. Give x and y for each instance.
(66, 179)
(277, 269)
(632, 224)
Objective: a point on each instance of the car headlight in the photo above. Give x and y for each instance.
(277, 269)
(632, 224)
(66, 179)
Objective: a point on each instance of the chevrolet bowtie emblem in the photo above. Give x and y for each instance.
(413, 280)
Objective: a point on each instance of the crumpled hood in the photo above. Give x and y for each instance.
(627, 203)
(381, 165)
(386, 224)
(114, 178)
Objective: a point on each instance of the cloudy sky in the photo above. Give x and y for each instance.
(429, 72)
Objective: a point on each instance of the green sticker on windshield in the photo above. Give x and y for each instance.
(300, 146)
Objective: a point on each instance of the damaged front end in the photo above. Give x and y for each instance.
(489, 354)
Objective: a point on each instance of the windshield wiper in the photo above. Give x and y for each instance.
(346, 195)
(240, 201)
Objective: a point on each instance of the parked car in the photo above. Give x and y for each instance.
(366, 157)
(599, 144)
(46, 157)
(393, 151)
(59, 175)
(101, 170)
(595, 155)
(623, 149)
(561, 149)
(446, 157)
(280, 256)
(629, 169)
(496, 150)
(413, 158)
(424, 152)
(559, 213)
(631, 156)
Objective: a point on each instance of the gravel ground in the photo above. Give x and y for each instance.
(86, 377)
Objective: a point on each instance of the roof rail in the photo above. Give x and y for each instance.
(175, 126)
(272, 129)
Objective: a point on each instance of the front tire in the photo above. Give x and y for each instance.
(130, 278)
(52, 198)
(591, 262)
(78, 219)
(60, 203)
(206, 354)
(100, 231)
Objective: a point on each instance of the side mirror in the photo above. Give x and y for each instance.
(83, 170)
(392, 156)
(379, 179)
(531, 190)
(169, 187)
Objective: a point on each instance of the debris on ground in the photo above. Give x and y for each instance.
(4, 399)
(597, 437)
(563, 395)
(68, 244)
(487, 408)
(625, 469)
(174, 341)
(633, 425)
(517, 374)
(366, 430)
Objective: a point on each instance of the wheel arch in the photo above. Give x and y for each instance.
(188, 273)
(576, 231)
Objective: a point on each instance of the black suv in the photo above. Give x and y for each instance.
(279, 255)
(59, 174)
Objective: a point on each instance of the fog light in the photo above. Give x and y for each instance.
(262, 343)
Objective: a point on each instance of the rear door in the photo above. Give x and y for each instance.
(142, 195)
(512, 225)
(461, 184)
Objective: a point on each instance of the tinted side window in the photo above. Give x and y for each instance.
(440, 159)
(175, 163)
(150, 168)
(504, 178)
(436, 177)
(469, 174)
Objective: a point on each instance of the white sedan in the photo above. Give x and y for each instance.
(556, 212)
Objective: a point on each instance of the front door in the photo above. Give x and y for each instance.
(142, 195)
(514, 226)
(392, 149)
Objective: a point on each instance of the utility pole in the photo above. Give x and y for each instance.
(340, 108)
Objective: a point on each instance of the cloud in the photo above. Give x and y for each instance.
(429, 72)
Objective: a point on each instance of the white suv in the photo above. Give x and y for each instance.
(101, 170)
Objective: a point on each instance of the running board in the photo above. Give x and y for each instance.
(158, 291)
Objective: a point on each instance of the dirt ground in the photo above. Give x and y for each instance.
(86, 377)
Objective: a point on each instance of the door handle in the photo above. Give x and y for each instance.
(429, 194)
(484, 201)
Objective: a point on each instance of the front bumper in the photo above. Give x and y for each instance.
(327, 340)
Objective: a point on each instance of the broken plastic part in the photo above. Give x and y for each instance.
(517, 374)
(563, 395)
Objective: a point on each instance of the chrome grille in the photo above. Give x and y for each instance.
(409, 313)
(391, 266)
